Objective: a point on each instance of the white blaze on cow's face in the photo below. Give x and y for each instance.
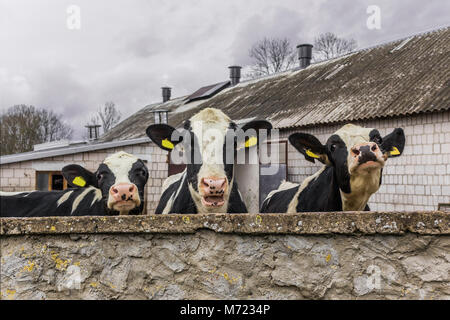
(209, 183)
(122, 176)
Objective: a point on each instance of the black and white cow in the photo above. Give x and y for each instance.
(353, 159)
(207, 185)
(117, 187)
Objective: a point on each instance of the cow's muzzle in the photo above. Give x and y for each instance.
(123, 197)
(367, 155)
(212, 191)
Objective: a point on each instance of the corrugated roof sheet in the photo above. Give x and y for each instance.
(393, 79)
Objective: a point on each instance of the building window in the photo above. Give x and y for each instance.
(50, 180)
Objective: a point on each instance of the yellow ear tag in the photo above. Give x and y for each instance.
(251, 142)
(167, 144)
(79, 181)
(394, 152)
(311, 154)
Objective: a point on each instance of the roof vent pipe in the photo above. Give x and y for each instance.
(93, 131)
(166, 91)
(235, 74)
(304, 54)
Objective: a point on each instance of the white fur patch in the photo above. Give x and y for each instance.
(285, 185)
(120, 163)
(82, 195)
(169, 203)
(352, 135)
(362, 186)
(10, 194)
(64, 198)
(170, 180)
(210, 127)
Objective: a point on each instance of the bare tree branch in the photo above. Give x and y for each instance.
(328, 45)
(109, 116)
(271, 56)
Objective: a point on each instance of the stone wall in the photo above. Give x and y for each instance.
(21, 176)
(417, 180)
(346, 255)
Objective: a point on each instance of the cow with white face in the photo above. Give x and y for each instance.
(209, 143)
(353, 159)
(116, 188)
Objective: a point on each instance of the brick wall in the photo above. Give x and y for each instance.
(21, 176)
(417, 180)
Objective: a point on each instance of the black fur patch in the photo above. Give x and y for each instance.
(279, 202)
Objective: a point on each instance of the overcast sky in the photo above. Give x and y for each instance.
(125, 51)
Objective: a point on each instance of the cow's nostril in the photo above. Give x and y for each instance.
(374, 147)
(115, 190)
(355, 151)
(131, 189)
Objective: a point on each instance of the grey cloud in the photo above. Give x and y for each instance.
(276, 22)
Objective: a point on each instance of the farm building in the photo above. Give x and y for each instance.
(404, 83)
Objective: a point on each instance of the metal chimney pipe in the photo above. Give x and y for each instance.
(304, 54)
(235, 74)
(166, 91)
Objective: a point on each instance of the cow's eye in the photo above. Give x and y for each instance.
(142, 172)
(101, 175)
(332, 147)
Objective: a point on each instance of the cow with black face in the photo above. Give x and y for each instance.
(116, 188)
(208, 184)
(353, 159)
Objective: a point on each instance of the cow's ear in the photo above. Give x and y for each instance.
(394, 143)
(79, 177)
(309, 146)
(162, 135)
(252, 131)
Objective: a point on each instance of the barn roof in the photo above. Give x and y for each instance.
(73, 148)
(402, 77)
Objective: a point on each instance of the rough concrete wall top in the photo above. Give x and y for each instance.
(433, 222)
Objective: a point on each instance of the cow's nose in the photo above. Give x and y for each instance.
(122, 191)
(365, 152)
(213, 186)
(365, 148)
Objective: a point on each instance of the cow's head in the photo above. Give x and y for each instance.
(121, 178)
(358, 156)
(209, 146)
